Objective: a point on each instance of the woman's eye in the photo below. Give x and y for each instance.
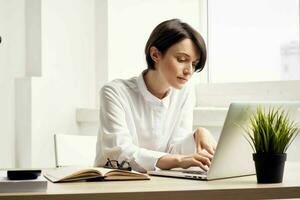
(181, 59)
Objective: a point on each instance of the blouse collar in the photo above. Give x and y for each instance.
(149, 96)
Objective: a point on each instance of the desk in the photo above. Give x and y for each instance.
(170, 188)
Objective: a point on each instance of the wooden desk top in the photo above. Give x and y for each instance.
(172, 188)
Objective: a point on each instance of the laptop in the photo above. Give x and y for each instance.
(233, 155)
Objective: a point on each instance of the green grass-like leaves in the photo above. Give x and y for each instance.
(271, 131)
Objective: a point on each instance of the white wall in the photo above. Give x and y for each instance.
(47, 70)
(67, 80)
(12, 65)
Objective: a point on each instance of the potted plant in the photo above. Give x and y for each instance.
(270, 133)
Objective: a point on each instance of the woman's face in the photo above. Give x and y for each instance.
(178, 64)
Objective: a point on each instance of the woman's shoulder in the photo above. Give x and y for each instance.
(120, 85)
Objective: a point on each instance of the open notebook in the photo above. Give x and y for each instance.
(68, 174)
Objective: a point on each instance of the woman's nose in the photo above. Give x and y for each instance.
(188, 69)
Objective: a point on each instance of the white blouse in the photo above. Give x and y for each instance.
(140, 128)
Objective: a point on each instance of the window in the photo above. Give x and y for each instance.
(253, 40)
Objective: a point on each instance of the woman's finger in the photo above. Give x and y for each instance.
(204, 167)
(200, 164)
(204, 160)
(206, 154)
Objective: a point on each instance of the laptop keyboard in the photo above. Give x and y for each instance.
(195, 172)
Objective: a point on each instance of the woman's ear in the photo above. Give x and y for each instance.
(155, 54)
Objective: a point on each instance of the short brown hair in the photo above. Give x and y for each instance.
(171, 32)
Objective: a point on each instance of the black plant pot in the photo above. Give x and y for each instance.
(269, 167)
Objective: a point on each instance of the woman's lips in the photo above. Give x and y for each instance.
(181, 79)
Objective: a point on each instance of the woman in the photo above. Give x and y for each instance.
(147, 120)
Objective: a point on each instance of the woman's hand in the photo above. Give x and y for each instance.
(170, 161)
(205, 149)
(204, 141)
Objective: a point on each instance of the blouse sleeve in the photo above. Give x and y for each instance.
(116, 140)
(182, 140)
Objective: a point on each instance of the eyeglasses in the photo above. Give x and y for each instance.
(114, 164)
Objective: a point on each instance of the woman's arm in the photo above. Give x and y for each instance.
(116, 140)
(205, 148)
(189, 148)
(185, 161)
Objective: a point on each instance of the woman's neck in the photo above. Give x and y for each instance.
(155, 84)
